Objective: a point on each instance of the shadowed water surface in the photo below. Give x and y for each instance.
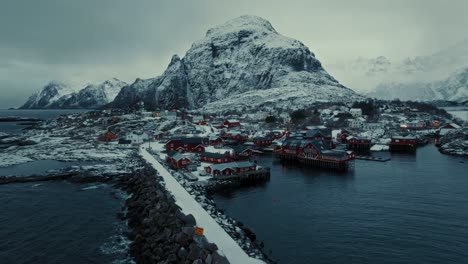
(413, 209)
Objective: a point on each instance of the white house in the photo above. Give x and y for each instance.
(137, 137)
(197, 118)
(372, 126)
(356, 122)
(355, 112)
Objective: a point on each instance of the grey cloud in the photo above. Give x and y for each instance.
(89, 40)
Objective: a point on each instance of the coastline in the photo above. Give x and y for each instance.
(155, 222)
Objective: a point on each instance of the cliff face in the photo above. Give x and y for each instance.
(243, 56)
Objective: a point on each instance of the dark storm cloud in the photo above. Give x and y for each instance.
(91, 40)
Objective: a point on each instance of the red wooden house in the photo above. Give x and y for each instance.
(230, 168)
(358, 143)
(263, 141)
(226, 135)
(403, 143)
(242, 152)
(108, 136)
(190, 144)
(230, 123)
(213, 141)
(178, 161)
(293, 147)
(216, 158)
(240, 137)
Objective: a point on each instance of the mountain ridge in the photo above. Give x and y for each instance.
(243, 55)
(56, 95)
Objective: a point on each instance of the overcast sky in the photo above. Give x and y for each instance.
(79, 41)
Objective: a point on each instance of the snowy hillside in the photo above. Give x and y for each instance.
(242, 60)
(59, 96)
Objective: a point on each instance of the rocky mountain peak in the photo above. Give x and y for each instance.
(175, 58)
(245, 23)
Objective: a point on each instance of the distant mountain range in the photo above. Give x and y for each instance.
(56, 95)
(243, 63)
(436, 76)
(454, 88)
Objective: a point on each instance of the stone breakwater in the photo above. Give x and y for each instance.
(245, 237)
(159, 231)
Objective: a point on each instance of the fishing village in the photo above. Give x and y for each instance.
(194, 155)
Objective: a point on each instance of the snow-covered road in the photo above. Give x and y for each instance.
(212, 230)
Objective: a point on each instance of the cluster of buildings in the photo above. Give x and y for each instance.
(191, 139)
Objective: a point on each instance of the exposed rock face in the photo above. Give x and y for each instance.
(60, 96)
(243, 55)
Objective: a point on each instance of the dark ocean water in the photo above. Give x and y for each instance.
(57, 222)
(13, 127)
(413, 209)
(60, 223)
(40, 167)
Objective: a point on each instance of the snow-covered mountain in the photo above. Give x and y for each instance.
(244, 62)
(48, 95)
(366, 73)
(454, 88)
(59, 96)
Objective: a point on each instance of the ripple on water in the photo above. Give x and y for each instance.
(57, 222)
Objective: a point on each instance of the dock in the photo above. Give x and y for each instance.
(340, 165)
(370, 158)
(259, 175)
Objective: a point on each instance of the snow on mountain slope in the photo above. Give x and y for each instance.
(60, 96)
(51, 93)
(241, 57)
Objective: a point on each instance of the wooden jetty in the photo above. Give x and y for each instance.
(370, 158)
(259, 175)
(333, 164)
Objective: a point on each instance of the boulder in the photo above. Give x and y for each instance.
(189, 220)
(194, 252)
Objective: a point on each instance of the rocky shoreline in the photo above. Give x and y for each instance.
(159, 231)
(19, 119)
(454, 143)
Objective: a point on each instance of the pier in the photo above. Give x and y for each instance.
(341, 165)
(333, 164)
(370, 158)
(248, 177)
